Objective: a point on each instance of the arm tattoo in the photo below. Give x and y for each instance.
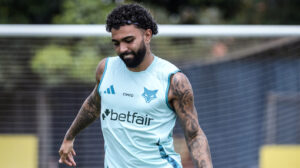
(183, 104)
(89, 111)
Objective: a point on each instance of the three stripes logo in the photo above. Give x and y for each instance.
(110, 90)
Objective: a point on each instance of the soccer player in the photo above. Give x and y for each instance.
(138, 97)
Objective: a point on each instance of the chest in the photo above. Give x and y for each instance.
(135, 92)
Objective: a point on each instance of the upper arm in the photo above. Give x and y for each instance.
(90, 109)
(99, 72)
(181, 98)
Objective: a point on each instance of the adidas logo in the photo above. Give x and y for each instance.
(110, 90)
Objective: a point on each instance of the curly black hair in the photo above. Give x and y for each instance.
(131, 14)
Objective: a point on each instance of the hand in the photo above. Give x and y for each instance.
(67, 152)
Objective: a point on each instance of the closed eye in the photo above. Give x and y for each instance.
(128, 40)
(115, 43)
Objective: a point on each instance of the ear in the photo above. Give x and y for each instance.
(148, 36)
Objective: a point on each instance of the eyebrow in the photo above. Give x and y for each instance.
(123, 39)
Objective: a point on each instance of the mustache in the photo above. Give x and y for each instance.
(126, 53)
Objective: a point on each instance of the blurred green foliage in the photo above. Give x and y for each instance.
(52, 63)
(168, 11)
(228, 11)
(57, 64)
(28, 11)
(84, 65)
(75, 62)
(84, 12)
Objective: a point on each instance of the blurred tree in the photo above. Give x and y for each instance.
(189, 11)
(165, 11)
(231, 11)
(78, 61)
(52, 63)
(84, 12)
(16, 55)
(94, 11)
(29, 11)
(85, 64)
(274, 12)
(74, 60)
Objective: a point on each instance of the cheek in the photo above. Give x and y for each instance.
(117, 50)
(134, 46)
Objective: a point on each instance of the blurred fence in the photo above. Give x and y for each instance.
(246, 92)
(248, 102)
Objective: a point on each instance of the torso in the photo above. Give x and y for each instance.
(136, 119)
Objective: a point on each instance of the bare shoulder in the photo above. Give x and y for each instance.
(179, 83)
(179, 77)
(100, 69)
(180, 90)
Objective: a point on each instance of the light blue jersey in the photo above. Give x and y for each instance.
(136, 119)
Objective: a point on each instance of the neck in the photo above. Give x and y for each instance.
(145, 63)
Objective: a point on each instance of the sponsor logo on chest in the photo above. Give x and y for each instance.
(129, 117)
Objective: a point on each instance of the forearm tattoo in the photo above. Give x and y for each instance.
(184, 107)
(89, 111)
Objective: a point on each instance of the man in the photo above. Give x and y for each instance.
(138, 97)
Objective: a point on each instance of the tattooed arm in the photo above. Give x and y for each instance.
(182, 100)
(89, 112)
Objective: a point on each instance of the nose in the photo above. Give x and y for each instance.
(123, 48)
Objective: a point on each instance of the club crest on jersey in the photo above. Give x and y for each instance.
(149, 95)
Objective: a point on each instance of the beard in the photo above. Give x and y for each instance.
(138, 57)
